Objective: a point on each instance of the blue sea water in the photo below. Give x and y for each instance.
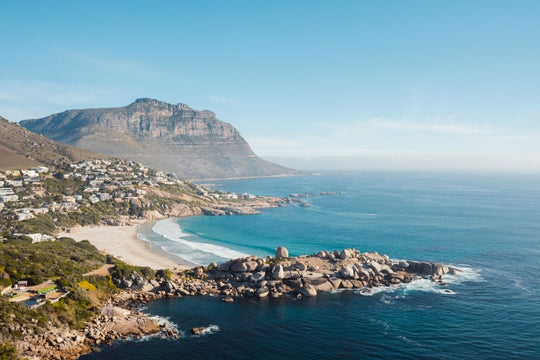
(486, 224)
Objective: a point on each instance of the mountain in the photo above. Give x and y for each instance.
(21, 148)
(176, 138)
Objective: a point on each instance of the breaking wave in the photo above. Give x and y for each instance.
(170, 230)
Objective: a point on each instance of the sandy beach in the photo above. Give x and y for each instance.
(122, 242)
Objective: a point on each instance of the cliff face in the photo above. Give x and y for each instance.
(175, 138)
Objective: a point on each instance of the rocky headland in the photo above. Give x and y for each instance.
(305, 275)
(251, 277)
(115, 323)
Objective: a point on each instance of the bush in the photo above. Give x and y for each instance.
(8, 352)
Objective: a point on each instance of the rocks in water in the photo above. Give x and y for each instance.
(198, 330)
(308, 291)
(427, 268)
(262, 292)
(259, 278)
(282, 252)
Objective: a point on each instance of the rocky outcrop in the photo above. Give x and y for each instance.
(115, 323)
(250, 277)
(176, 138)
(296, 276)
(184, 205)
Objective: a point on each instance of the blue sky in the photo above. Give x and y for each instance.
(398, 84)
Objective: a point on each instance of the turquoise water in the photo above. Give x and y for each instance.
(488, 224)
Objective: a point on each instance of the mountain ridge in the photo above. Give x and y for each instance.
(191, 143)
(21, 148)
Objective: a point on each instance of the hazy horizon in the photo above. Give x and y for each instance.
(403, 163)
(370, 85)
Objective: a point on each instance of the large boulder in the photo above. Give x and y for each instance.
(439, 269)
(258, 276)
(321, 284)
(347, 253)
(346, 272)
(282, 252)
(277, 272)
(427, 269)
(262, 292)
(245, 266)
(377, 268)
(308, 291)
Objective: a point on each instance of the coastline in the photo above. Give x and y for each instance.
(123, 243)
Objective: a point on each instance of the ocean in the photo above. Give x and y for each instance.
(486, 224)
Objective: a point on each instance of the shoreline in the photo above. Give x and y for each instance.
(250, 277)
(123, 242)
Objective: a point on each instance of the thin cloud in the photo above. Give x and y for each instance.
(27, 99)
(220, 100)
(449, 127)
(116, 66)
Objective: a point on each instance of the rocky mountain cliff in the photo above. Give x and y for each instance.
(20, 148)
(176, 138)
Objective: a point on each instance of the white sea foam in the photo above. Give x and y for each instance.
(162, 321)
(142, 237)
(210, 329)
(419, 285)
(170, 230)
(466, 274)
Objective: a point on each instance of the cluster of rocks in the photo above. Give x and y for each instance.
(115, 323)
(56, 343)
(282, 275)
(302, 276)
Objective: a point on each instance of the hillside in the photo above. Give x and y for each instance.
(20, 148)
(176, 138)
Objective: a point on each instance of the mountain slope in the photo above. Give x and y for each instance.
(21, 148)
(193, 144)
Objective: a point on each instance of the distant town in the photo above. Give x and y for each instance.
(71, 187)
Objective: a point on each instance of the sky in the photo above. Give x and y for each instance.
(311, 84)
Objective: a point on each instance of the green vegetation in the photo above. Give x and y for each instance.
(90, 215)
(15, 313)
(8, 352)
(64, 258)
(123, 270)
(64, 261)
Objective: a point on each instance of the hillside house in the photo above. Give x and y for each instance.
(36, 238)
(6, 198)
(93, 199)
(104, 196)
(14, 183)
(42, 169)
(24, 214)
(40, 210)
(30, 173)
(21, 285)
(6, 191)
